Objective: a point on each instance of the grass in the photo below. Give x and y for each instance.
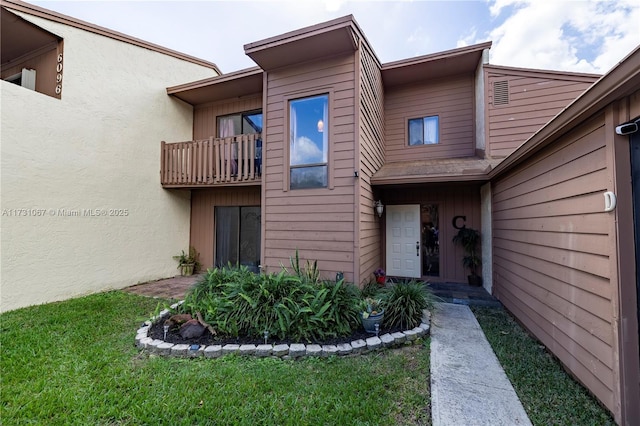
(549, 395)
(74, 362)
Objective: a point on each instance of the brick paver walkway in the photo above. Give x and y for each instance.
(169, 288)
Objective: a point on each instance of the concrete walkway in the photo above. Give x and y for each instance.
(468, 385)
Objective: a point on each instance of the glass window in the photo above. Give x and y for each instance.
(240, 124)
(424, 131)
(309, 145)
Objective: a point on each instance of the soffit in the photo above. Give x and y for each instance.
(311, 43)
(227, 86)
(456, 61)
(436, 170)
(20, 36)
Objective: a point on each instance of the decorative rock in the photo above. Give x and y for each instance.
(164, 348)
(180, 350)
(247, 349)
(153, 345)
(163, 313)
(314, 350)
(374, 343)
(297, 350)
(399, 337)
(411, 335)
(143, 342)
(280, 350)
(143, 330)
(328, 350)
(425, 327)
(175, 305)
(387, 340)
(230, 349)
(213, 351)
(344, 349)
(264, 350)
(419, 331)
(191, 329)
(358, 345)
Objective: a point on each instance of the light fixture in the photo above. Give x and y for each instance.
(379, 207)
(320, 126)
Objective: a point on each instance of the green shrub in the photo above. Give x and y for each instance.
(236, 302)
(404, 302)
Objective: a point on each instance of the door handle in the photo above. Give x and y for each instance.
(418, 248)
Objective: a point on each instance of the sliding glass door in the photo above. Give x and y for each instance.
(238, 236)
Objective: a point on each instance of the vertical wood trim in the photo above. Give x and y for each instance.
(610, 112)
(263, 189)
(625, 267)
(356, 162)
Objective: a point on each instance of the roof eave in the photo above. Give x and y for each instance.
(20, 6)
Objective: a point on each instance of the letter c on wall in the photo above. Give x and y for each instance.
(455, 220)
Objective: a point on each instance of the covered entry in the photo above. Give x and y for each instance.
(433, 208)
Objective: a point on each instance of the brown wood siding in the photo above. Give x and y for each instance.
(451, 99)
(552, 248)
(371, 139)
(318, 222)
(452, 200)
(205, 116)
(533, 100)
(203, 203)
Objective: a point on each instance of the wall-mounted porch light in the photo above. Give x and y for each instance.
(379, 207)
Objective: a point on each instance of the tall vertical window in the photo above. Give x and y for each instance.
(424, 131)
(309, 142)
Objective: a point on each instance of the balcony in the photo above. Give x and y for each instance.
(212, 162)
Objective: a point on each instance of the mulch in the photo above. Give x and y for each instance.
(207, 339)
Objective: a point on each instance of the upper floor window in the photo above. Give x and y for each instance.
(424, 131)
(244, 123)
(309, 142)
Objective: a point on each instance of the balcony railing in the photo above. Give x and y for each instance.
(235, 159)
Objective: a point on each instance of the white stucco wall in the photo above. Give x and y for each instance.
(96, 148)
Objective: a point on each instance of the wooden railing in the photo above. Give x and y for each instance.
(211, 161)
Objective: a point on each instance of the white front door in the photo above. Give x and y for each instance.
(403, 241)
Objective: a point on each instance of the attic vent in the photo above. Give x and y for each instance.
(501, 92)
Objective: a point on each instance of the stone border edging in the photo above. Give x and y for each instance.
(283, 351)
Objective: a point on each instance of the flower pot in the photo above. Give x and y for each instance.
(186, 269)
(381, 279)
(474, 280)
(370, 322)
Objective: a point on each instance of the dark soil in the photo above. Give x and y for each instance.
(157, 332)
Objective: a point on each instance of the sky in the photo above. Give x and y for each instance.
(581, 36)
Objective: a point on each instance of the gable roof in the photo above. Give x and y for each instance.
(20, 6)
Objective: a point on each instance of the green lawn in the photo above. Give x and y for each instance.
(74, 362)
(549, 395)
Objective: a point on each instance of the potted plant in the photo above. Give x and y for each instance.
(372, 313)
(381, 276)
(188, 262)
(469, 240)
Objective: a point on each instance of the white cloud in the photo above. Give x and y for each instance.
(586, 36)
(306, 151)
